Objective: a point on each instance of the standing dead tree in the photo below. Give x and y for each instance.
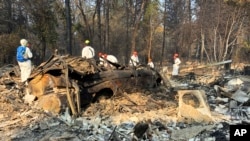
(137, 10)
(218, 37)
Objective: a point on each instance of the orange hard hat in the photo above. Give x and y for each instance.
(176, 55)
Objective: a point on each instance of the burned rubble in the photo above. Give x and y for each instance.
(72, 98)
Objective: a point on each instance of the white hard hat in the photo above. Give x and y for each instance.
(23, 42)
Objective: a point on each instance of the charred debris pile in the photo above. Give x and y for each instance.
(72, 98)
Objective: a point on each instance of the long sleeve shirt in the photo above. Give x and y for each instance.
(88, 52)
(112, 58)
(28, 54)
(177, 61)
(134, 60)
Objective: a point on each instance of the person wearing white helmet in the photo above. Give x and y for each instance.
(88, 52)
(23, 57)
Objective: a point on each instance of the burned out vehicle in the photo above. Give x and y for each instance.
(113, 81)
(85, 81)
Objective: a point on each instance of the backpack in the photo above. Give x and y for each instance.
(20, 54)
